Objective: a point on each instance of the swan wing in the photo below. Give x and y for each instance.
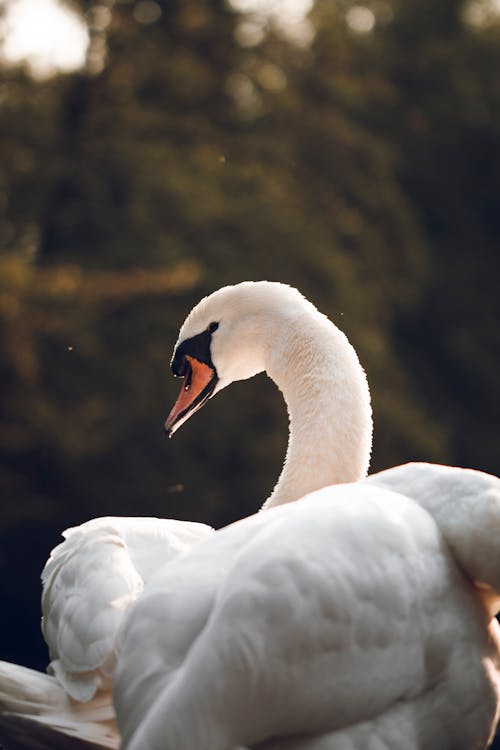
(465, 505)
(90, 582)
(304, 620)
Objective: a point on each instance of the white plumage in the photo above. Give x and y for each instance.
(358, 617)
(338, 621)
(90, 582)
(36, 713)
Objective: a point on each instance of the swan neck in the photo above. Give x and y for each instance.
(328, 402)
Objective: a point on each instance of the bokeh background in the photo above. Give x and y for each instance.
(350, 148)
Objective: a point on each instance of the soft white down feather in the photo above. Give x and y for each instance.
(358, 617)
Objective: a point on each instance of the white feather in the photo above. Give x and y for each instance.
(90, 582)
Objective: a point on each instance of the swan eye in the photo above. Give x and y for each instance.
(212, 327)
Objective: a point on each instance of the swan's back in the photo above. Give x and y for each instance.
(315, 618)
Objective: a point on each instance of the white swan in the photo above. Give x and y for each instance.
(90, 582)
(358, 617)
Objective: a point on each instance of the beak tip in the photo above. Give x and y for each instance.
(199, 383)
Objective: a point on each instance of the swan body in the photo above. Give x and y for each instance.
(313, 625)
(90, 582)
(358, 616)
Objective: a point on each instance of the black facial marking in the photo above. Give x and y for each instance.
(197, 347)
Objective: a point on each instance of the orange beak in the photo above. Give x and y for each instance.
(198, 384)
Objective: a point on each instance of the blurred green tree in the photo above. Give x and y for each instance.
(200, 147)
(443, 120)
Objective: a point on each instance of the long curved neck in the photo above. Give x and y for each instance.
(328, 403)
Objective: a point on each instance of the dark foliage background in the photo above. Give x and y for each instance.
(201, 146)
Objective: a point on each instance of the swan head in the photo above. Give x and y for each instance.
(225, 338)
